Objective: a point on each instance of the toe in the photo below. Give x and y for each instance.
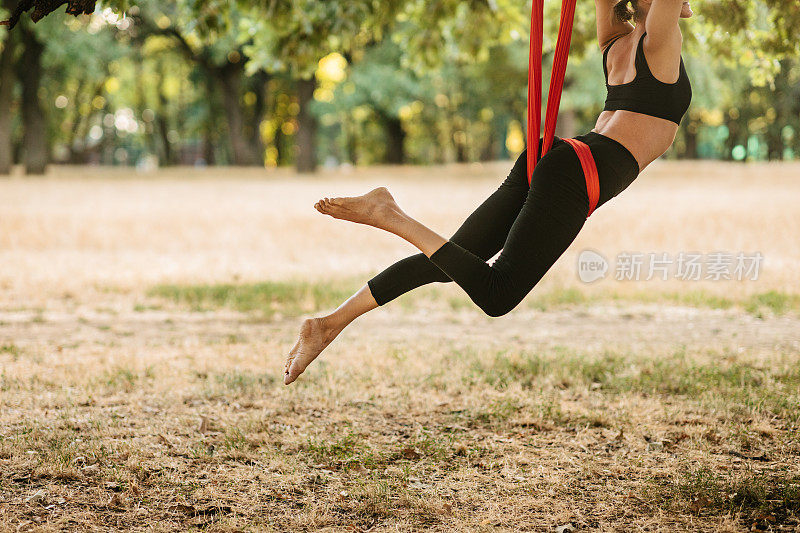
(292, 374)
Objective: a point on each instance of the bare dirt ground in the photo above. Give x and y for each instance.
(627, 408)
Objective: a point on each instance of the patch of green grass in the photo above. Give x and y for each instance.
(120, 377)
(760, 500)
(234, 439)
(11, 349)
(532, 370)
(433, 447)
(294, 298)
(349, 448)
(559, 298)
(269, 298)
(701, 299)
(241, 382)
(141, 308)
(778, 303)
(343, 449)
(737, 386)
(8, 383)
(495, 413)
(775, 302)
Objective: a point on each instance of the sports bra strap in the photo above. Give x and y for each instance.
(642, 67)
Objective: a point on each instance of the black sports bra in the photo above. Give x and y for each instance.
(646, 94)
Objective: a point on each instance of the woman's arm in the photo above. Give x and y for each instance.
(663, 31)
(609, 27)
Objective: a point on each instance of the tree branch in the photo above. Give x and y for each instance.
(42, 8)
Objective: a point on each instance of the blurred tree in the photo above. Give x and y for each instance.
(208, 38)
(76, 69)
(379, 83)
(293, 37)
(35, 146)
(7, 83)
(420, 81)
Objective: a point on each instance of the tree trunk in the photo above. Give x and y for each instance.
(151, 146)
(349, 130)
(395, 140)
(210, 132)
(462, 155)
(261, 80)
(733, 137)
(775, 145)
(691, 141)
(230, 82)
(29, 71)
(489, 152)
(7, 81)
(306, 138)
(75, 123)
(458, 134)
(168, 157)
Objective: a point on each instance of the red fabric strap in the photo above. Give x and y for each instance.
(535, 84)
(556, 79)
(559, 72)
(589, 171)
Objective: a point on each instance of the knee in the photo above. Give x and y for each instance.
(496, 309)
(507, 292)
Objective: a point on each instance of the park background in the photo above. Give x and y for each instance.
(300, 83)
(159, 251)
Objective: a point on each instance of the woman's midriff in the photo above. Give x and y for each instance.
(646, 137)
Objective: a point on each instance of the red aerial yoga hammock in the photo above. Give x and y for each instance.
(554, 100)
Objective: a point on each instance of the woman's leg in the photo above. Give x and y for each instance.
(483, 233)
(317, 333)
(553, 214)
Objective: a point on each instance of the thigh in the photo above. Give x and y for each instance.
(485, 229)
(552, 215)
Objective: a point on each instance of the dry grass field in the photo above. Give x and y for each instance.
(144, 321)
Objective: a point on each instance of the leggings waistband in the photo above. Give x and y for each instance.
(605, 150)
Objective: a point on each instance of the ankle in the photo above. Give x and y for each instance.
(330, 326)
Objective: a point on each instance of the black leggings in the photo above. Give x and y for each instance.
(533, 225)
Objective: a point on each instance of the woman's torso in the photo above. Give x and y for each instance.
(646, 137)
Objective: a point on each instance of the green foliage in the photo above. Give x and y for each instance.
(295, 35)
(269, 297)
(454, 74)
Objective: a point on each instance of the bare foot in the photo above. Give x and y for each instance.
(315, 336)
(376, 208)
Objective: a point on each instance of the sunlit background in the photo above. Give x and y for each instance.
(151, 87)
